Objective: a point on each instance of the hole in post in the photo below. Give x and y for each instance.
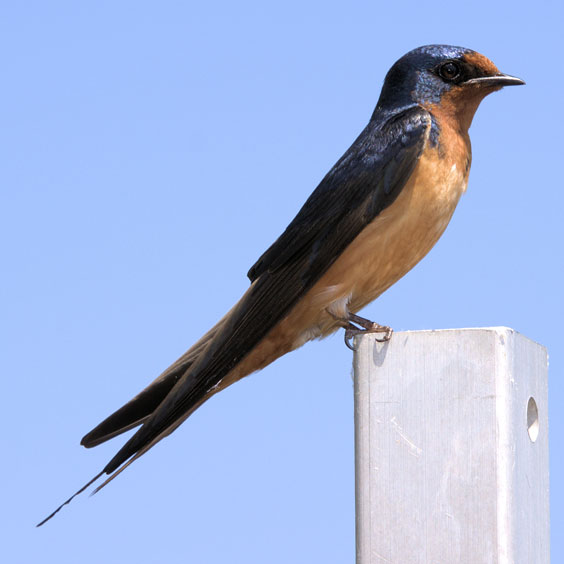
(532, 419)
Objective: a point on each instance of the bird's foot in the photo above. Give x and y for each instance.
(352, 331)
(355, 325)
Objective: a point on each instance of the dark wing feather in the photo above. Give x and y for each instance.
(374, 168)
(366, 180)
(135, 411)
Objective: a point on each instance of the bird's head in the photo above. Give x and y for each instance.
(444, 79)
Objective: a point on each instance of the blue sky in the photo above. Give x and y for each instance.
(151, 152)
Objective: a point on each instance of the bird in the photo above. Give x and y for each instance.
(371, 219)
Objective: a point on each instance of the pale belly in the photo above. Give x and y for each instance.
(379, 256)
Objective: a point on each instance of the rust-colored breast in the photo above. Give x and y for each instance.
(406, 231)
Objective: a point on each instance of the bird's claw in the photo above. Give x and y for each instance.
(352, 332)
(349, 335)
(364, 326)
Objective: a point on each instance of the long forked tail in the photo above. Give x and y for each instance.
(225, 347)
(113, 472)
(137, 410)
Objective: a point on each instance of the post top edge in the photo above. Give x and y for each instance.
(499, 330)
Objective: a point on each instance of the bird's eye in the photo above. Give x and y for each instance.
(449, 71)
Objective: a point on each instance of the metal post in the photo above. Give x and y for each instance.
(451, 433)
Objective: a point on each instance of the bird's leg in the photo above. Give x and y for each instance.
(371, 326)
(366, 326)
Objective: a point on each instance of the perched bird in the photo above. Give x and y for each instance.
(373, 217)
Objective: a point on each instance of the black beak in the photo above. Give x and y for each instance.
(496, 80)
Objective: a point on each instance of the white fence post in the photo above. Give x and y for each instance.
(451, 433)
